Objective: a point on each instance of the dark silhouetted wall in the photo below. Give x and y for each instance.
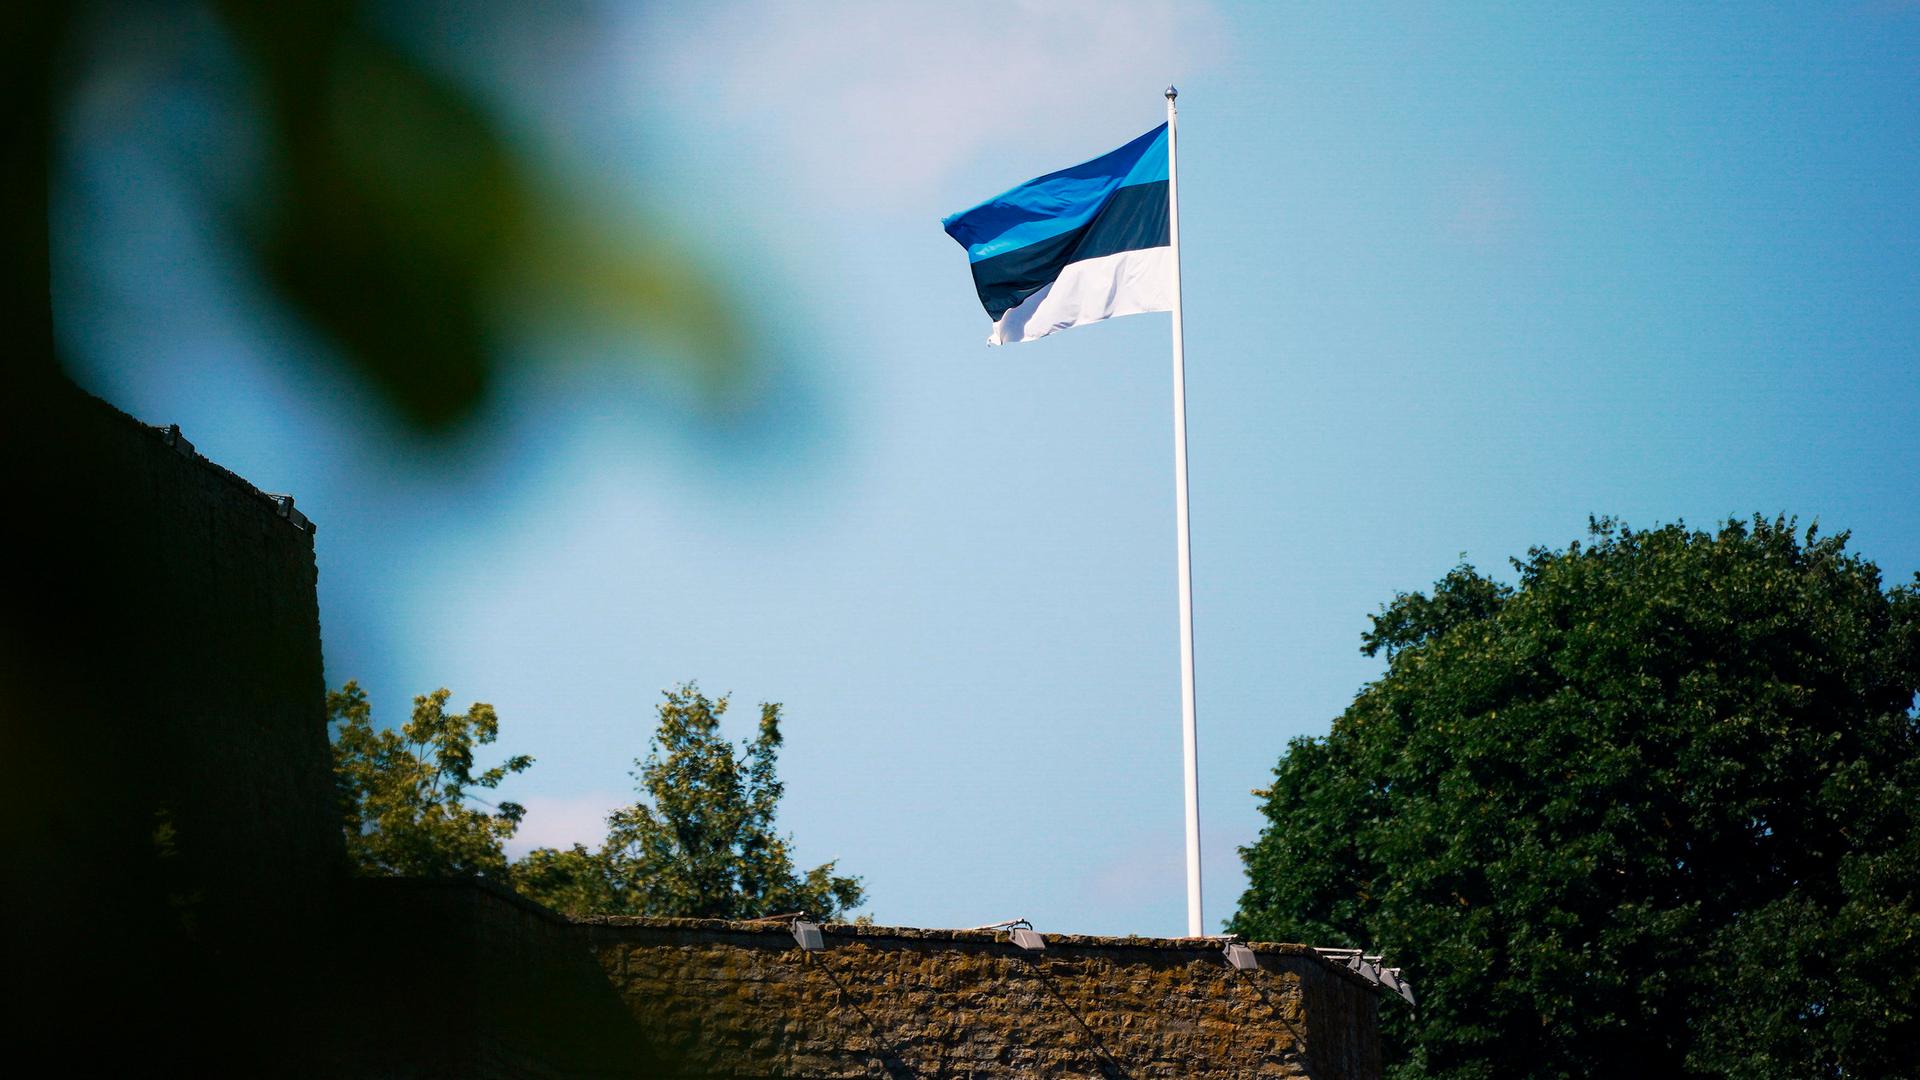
(164, 725)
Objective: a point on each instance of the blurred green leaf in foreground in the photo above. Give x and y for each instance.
(394, 214)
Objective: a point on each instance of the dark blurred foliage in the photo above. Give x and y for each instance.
(402, 221)
(1655, 809)
(395, 214)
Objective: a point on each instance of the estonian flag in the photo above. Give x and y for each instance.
(1075, 246)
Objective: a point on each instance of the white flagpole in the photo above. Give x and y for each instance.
(1196, 926)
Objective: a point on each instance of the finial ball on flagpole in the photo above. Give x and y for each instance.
(1172, 92)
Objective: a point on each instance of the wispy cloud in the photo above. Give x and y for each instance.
(561, 821)
(901, 94)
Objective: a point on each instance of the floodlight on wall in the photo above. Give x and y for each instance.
(1394, 981)
(808, 936)
(1369, 967)
(1365, 970)
(1024, 937)
(178, 441)
(1020, 932)
(284, 505)
(1241, 958)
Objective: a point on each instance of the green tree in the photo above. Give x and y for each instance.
(1658, 807)
(702, 841)
(576, 880)
(405, 794)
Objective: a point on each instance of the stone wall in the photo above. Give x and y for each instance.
(739, 999)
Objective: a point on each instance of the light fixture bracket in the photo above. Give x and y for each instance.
(808, 936)
(1241, 958)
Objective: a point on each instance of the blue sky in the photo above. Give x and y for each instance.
(1456, 278)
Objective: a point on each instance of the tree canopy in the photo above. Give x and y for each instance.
(407, 797)
(702, 841)
(1656, 806)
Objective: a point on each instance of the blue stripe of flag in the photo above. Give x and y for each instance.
(1058, 202)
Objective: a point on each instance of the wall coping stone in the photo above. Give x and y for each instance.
(775, 934)
(174, 439)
